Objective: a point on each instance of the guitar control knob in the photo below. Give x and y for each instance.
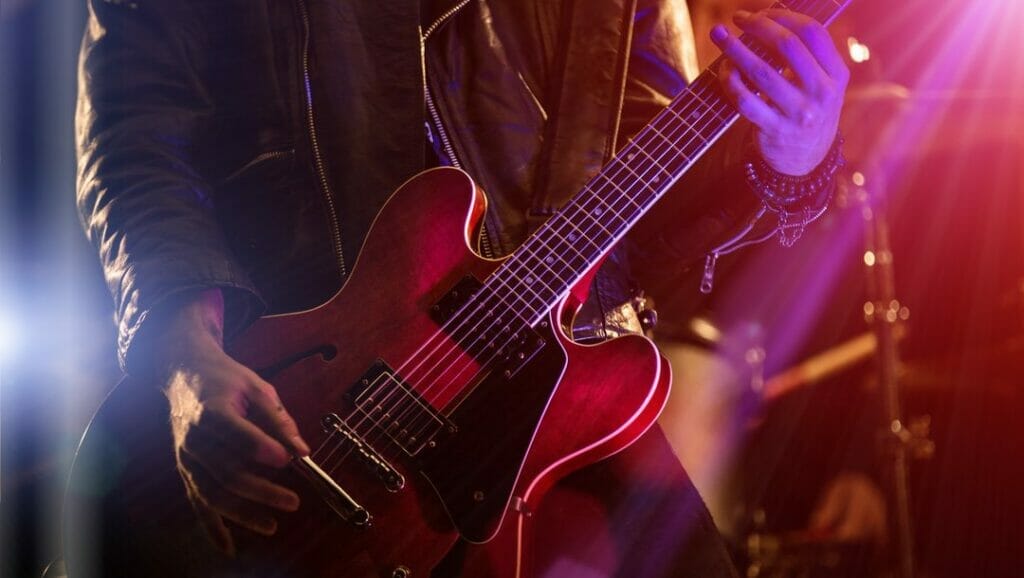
(401, 572)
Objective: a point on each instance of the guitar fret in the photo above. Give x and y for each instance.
(640, 179)
(548, 261)
(708, 107)
(691, 119)
(579, 235)
(670, 143)
(656, 164)
(680, 117)
(582, 234)
(624, 194)
(631, 157)
(568, 244)
(543, 262)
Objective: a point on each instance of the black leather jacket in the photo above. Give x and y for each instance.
(204, 163)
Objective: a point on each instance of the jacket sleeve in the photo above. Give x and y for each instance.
(712, 205)
(141, 196)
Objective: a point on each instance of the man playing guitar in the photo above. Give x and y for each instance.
(234, 154)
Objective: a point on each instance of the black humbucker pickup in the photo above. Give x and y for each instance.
(443, 310)
(398, 410)
(506, 349)
(519, 352)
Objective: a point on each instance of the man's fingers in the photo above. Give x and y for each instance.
(242, 514)
(215, 528)
(761, 75)
(232, 475)
(223, 433)
(279, 424)
(210, 520)
(262, 491)
(817, 40)
(787, 45)
(748, 104)
(215, 497)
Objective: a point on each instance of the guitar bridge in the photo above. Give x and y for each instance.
(393, 481)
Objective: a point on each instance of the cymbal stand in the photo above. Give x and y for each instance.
(883, 312)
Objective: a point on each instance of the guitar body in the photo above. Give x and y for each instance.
(494, 440)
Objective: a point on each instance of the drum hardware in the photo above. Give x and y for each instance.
(884, 314)
(803, 555)
(914, 436)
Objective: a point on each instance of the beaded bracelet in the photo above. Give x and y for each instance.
(790, 196)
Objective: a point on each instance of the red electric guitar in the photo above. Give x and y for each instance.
(439, 390)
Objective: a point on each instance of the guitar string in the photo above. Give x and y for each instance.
(668, 145)
(557, 274)
(627, 202)
(710, 94)
(626, 195)
(671, 148)
(630, 195)
(669, 142)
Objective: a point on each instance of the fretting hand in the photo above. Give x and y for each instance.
(796, 112)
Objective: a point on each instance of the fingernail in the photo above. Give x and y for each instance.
(741, 16)
(719, 33)
(290, 503)
(300, 446)
(266, 527)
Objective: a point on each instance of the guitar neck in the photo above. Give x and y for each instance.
(570, 243)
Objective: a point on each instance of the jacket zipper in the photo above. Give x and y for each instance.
(443, 18)
(325, 187)
(427, 96)
(449, 151)
(486, 248)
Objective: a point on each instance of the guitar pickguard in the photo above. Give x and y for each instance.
(496, 427)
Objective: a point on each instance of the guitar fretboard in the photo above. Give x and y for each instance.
(541, 272)
(557, 255)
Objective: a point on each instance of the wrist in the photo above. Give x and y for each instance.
(781, 191)
(795, 200)
(193, 327)
(792, 159)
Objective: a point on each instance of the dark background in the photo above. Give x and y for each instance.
(951, 160)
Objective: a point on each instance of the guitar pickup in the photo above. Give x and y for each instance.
(515, 346)
(383, 397)
(521, 349)
(443, 310)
